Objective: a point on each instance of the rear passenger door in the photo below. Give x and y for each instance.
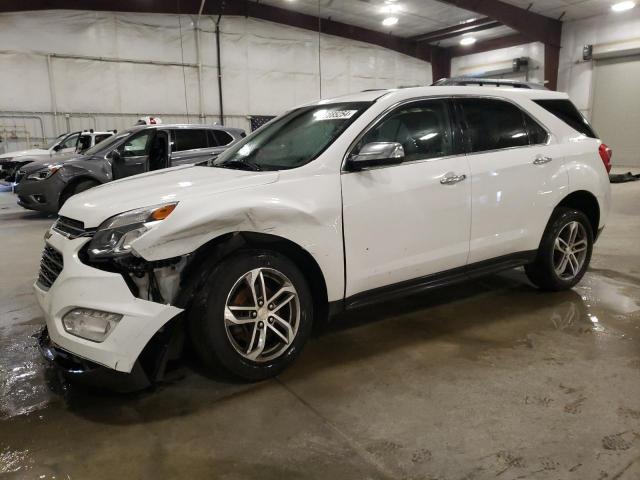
(189, 146)
(517, 177)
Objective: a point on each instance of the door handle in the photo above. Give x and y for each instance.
(450, 179)
(541, 160)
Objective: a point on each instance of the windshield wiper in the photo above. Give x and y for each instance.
(238, 165)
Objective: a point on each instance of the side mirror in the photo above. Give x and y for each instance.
(57, 148)
(116, 156)
(376, 154)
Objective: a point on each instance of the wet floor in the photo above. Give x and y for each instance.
(488, 379)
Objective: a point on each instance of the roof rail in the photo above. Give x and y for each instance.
(495, 82)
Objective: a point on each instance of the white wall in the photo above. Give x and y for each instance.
(497, 59)
(266, 69)
(576, 76)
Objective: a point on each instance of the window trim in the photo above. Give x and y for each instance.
(456, 129)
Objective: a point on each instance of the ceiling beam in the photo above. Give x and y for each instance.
(490, 44)
(244, 8)
(457, 30)
(536, 27)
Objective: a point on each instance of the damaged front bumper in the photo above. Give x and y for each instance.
(78, 285)
(79, 370)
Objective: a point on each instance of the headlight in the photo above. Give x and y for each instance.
(115, 235)
(45, 172)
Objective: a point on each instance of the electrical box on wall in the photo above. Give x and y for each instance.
(520, 64)
(587, 52)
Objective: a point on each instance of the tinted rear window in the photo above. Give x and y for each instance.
(569, 114)
(190, 139)
(218, 138)
(493, 124)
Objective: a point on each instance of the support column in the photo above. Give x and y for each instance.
(440, 63)
(551, 66)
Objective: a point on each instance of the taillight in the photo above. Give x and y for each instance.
(605, 154)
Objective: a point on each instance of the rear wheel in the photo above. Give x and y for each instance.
(565, 251)
(77, 188)
(253, 315)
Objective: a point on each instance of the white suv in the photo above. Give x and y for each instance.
(331, 206)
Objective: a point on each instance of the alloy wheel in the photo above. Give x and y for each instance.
(262, 314)
(570, 250)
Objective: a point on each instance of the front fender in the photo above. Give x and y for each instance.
(306, 211)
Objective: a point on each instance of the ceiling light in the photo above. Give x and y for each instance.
(468, 41)
(391, 8)
(390, 21)
(622, 6)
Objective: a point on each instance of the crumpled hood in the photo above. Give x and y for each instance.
(40, 162)
(22, 153)
(188, 184)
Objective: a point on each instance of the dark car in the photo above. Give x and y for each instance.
(67, 143)
(45, 185)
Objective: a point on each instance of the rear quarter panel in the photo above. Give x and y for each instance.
(587, 172)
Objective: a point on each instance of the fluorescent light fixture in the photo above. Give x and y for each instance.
(468, 41)
(390, 21)
(622, 6)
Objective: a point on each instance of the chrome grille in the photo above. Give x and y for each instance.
(71, 228)
(50, 267)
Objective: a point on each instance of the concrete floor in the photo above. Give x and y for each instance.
(487, 379)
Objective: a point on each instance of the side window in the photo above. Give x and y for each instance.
(84, 143)
(222, 138)
(422, 128)
(100, 138)
(568, 113)
(493, 124)
(70, 141)
(188, 139)
(537, 134)
(138, 145)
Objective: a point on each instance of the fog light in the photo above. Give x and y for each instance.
(91, 324)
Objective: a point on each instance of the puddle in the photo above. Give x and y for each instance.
(23, 388)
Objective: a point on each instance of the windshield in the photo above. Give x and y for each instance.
(54, 142)
(109, 142)
(292, 140)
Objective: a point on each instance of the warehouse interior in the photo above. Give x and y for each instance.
(488, 378)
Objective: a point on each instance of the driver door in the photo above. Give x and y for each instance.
(132, 156)
(411, 220)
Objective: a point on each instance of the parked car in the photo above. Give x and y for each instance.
(46, 185)
(67, 143)
(332, 206)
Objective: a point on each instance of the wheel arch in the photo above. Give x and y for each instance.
(73, 183)
(206, 256)
(587, 203)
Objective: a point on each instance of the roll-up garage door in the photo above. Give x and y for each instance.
(616, 107)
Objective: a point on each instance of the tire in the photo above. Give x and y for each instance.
(235, 349)
(77, 188)
(555, 269)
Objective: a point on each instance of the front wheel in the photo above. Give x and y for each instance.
(564, 253)
(253, 315)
